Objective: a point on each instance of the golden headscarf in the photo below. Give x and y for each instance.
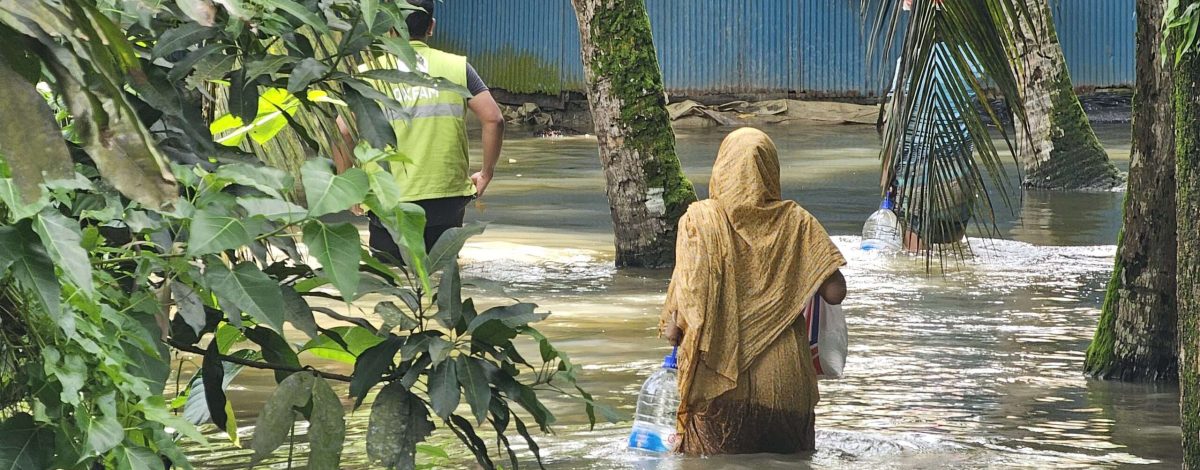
(746, 264)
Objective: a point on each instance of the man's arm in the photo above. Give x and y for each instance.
(343, 149)
(488, 112)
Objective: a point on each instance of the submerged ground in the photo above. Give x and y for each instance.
(977, 366)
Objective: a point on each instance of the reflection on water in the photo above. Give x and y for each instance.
(978, 366)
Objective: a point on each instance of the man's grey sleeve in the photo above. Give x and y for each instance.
(475, 84)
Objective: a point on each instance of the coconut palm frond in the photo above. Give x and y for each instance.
(937, 150)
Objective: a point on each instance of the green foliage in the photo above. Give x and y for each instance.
(168, 238)
(1181, 28)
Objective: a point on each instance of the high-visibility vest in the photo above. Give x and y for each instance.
(435, 138)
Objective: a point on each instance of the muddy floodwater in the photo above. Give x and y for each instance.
(974, 366)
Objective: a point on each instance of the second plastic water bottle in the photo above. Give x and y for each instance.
(882, 230)
(654, 421)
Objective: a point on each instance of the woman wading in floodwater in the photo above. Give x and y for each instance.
(746, 264)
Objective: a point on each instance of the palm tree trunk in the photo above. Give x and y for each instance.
(1187, 193)
(1136, 336)
(647, 191)
(1060, 149)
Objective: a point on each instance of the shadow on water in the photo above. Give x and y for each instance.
(977, 366)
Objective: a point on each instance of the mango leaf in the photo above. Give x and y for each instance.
(373, 125)
(23, 253)
(370, 367)
(63, 240)
(277, 416)
(35, 150)
(189, 62)
(247, 288)
(338, 248)
(24, 444)
(466, 434)
(214, 233)
(443, 389)
(304, 73)
(327, 193)
(392, 315)
(275, 350)
(301, 13)
(357, 339)
(445, 250)
(449, 297)
(297, 311)
(195, 407)
(398, 422)
(182, 37)
(219, 408)
(439, 349)
(327, 428)
(524, 432)
(475, 385)
(406, 225)
(513, 316)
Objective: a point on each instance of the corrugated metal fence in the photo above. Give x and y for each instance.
(759, 46)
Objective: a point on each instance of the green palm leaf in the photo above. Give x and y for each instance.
(936, 140)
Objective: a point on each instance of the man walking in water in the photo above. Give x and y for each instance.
(435, 139)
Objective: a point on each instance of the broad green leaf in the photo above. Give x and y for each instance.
(338, 248)
(70, 370)
(34, 150)
(370, 367)
(181, 37)
(385, 189)
(392, 315)
(249, 289)
(18, 209)
(24, 254)
(327, 193)
(445, 250)
(398, 422)
(63, 240)
(304, 73)
(276, 210)
(475, 385)
(443, 388)
(23, 444)
(277, 416)
(138, 458)
(189, 306)
(327, 428)
(103, 432)
(369, 9)
(271, 181)
(275, 350)
(214, 233)
(297, 311)
(439, 349)
(268, 65)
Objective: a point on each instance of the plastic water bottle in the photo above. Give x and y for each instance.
(654, 421)
(882, 230)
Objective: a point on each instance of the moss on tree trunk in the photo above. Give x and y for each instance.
(1187, 193)
(1136, 336)
(1060, 149)
(647, 190)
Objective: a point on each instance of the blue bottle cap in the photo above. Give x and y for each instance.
(886, 204)
(669, 361)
